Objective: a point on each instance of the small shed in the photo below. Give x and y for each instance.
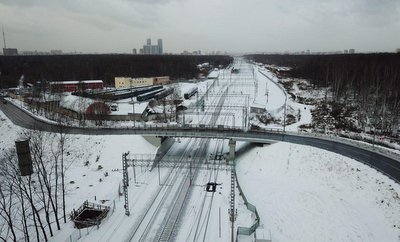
(257, 108)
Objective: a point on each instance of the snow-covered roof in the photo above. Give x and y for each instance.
(257, 105)
(75, 82)
(75, 103)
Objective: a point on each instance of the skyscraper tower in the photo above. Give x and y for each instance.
(149, 49)
(4, 38)
(160, 46)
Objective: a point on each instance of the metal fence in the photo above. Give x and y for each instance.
(245, 230)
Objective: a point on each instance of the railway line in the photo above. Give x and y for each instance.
(158, 223)
(160, 220)
(198, 231)
(143, 229)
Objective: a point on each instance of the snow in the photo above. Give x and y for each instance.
(213, 74)
(83, 181)
(8, 133)
(307, 194)
(301, 193)
(75, 103)
(125, 107)
(275, 99)
(305, 115)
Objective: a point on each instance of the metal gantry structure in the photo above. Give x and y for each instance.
(125, 181)
(232, 212)
(151, 161)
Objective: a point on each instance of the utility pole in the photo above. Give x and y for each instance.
(125, 182)
(197, 105)
(232, 214)
(133, 105)
(284, 115)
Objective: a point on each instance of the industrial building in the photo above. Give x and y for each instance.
(10, 51)
(73, 86)
(126, 82)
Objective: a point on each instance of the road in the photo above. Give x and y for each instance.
(390, 166)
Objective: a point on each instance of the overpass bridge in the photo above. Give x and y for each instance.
(388, 164)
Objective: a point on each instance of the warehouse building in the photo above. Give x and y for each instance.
(126, 82)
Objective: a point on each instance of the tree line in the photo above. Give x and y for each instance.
(102, 67)
(370, 81)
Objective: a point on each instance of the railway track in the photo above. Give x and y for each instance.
(141, 231)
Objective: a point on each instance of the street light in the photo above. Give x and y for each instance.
(133, 105)
(284, 115)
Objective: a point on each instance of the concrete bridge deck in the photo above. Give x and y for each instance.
(385, 162)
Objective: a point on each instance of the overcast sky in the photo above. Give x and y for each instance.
(226, 25)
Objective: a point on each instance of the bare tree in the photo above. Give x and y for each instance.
(7, 206)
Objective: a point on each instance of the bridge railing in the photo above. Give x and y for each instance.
(363, 143)
(394, 154)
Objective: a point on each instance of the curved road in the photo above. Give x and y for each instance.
(390, 166)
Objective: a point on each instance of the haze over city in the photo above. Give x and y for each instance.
(232, 26)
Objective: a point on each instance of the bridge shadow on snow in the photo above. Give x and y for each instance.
(246, 147)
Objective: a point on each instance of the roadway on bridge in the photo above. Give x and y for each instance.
(387, 165)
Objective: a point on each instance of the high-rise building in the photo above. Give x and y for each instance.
(150, 49)
(154, 50)
(398, 50)
(56, 52)
(134, 51)
(146, 49)
(160, 46)
(352, 51)
(10, 51)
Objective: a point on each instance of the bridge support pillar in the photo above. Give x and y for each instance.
(232, 147)
(163, 145)
(154, 140)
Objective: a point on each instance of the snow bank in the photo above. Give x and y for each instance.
(307, 194)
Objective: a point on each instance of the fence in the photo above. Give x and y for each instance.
(244, 230)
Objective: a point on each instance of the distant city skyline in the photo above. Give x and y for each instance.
(149, 49)
(233, 26)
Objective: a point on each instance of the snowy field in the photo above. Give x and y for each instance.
(301, 193)
(308, 194)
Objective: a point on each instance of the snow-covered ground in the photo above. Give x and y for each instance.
(93, 166)
(269, 92)
(308, 194)
(301, 193)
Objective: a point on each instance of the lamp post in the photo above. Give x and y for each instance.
(284, 115)
(133, 106)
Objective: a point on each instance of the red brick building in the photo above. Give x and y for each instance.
(73, 86)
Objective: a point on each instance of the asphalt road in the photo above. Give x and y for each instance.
(389, 166)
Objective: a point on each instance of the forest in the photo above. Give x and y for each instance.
(371, 82)
(101, 67)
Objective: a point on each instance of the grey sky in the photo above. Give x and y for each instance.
(225, 25)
